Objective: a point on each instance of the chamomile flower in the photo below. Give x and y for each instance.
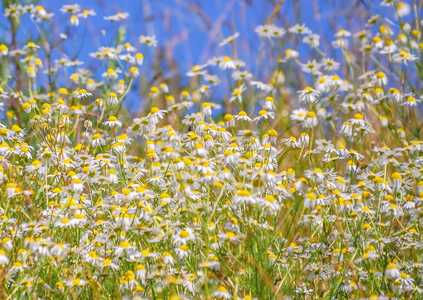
(184, 236)
(229, 39)
(291, 54)
(308, 94)
(221, 293)
(392, 272)
(76, 282)
(150, 41)
(227, 63)
(264, 115)
(310, 120)
(329, 64)
(312, 66)
(312, 39)
(264, 31)
(412, 101)
(261, 86)
(125, 248)
(404, 57)
(402, 8)
(112, 122)
(237, 94)
(300, 29)
(242, 115)
(298, 115)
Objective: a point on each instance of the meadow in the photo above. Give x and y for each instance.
(303, 180)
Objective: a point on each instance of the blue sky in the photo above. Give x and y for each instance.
(194, 28)
(196, 36)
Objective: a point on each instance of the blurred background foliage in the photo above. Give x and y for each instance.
(189, 33)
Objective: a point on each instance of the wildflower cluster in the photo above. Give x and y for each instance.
(309, 194)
